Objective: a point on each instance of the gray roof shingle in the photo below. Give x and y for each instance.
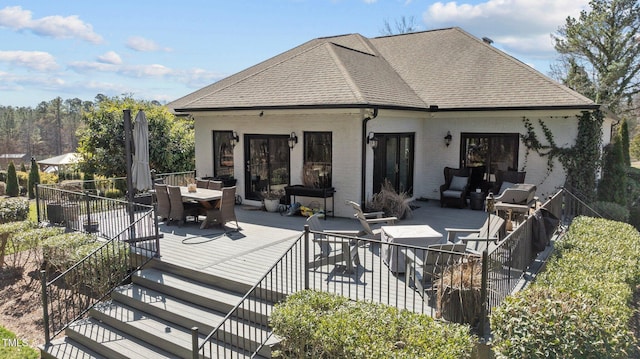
(448, 68)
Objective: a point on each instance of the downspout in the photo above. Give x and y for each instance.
(364, 155)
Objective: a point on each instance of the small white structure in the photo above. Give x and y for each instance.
(53, 164)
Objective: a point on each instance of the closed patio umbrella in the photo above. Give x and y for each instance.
(141, 173)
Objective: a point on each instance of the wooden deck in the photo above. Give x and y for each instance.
(247, 254)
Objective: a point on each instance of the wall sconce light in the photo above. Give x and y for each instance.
(293, 139)
(234, 139)
(448, 138)
(372, 140)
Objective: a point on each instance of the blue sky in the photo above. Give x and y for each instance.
(163, 50)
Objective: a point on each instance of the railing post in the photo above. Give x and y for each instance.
(306, 256)
(45, 306)
(483, 294)
(88, 204)
(156, 229)
(37, 203)
(194, 343)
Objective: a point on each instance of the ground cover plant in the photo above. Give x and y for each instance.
(581, 306)
(321, 325)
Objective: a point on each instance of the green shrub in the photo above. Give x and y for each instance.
(13, 209)
(48, 178)
(24, 244)
(578, 307)
(58, 251)
(34, 178)
(322, 325)
(611, 210)
(3, 188)
(6, 231)
(12, 181)
(107, 269)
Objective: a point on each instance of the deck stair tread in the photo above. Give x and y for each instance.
(170, 308)
(162, 333)
(165, 334)
(67, 348)
(111, 342)
(176, 285)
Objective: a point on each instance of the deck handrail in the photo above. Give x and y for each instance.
(131, 240)
(500, 270)
(261, 295)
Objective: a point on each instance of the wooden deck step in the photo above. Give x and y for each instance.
(190, 290)
(163, 334)
(112, 343)
(166, 335)
(67, 348)
(220, 281)
(179, 311)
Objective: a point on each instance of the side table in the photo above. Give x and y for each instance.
(476, 200)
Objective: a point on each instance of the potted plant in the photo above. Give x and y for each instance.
(271, 200)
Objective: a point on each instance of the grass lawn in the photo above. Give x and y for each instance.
(15, 348)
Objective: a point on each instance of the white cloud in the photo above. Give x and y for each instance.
(56, 26)
(110, 57)
(36, 60)
(523, 26)
(141, 44)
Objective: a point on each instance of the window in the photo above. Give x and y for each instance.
(317, 159)
(489, 152)
(222, 154)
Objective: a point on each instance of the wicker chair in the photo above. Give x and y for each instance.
(217, 185)
(454, 189)
(225, 211)
(179, 209)
(164, 205)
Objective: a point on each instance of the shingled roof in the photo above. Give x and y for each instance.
(447, 68)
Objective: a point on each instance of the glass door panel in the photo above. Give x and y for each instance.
(267, 164)
(393, 161)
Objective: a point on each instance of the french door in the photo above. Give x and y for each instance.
(393, 161)
(267, 164)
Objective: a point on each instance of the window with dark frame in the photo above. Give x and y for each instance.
(222, 154)
(317, 164)
(489, 152)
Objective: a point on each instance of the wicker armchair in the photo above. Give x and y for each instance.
(454, 189)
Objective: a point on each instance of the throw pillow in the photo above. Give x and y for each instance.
(504, 186)
(458, 183)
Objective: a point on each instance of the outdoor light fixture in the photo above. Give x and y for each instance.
(234, 139)
(372, 140)
(293, 139)
(447, 138)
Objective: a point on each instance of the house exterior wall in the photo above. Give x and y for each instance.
(345, 126)
(429, 129)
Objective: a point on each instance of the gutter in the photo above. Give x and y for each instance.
(364, 155)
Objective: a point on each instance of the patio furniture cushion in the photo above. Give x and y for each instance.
(458, 183)
(504, 186)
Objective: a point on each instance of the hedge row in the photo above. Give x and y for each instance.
(578, 307)
(13, 209)
(321, 325)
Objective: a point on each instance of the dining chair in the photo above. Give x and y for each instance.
(164, 205)
(179, 209)
(200, 183)
(225, 211)
(217, 185)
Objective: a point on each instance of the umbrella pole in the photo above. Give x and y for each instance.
(127, 150)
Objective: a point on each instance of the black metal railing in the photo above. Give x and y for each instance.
(71, 294)
(89, 213)
(245, 329)
(444, 282)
